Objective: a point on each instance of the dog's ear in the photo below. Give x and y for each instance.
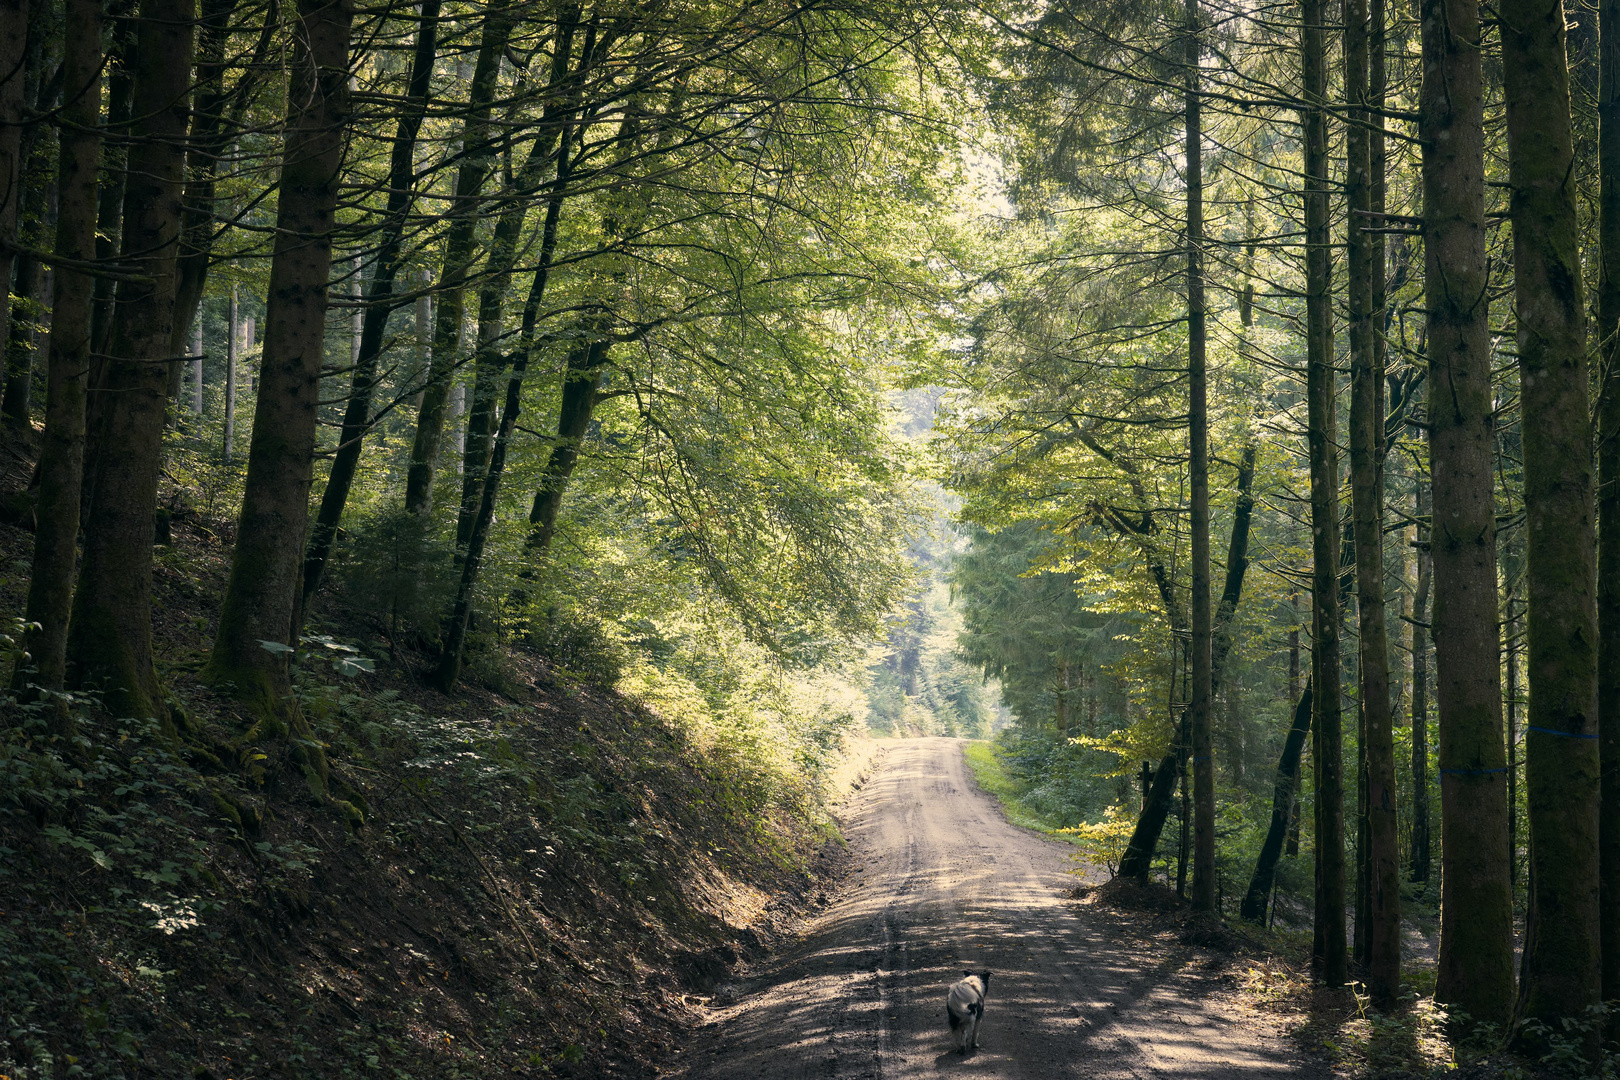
(968, 974)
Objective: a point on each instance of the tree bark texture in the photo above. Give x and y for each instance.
(1476, 955)
(1608, 496)
(61, 461)
(264, 581)
(1329, 956)
(459, 251)
(489, 361)
(448, 669)
(1380, 868)
(379, 306)
(1203, 762)
(110, 636)
(1419, 856)
(13, 60)
(1562, 957)
(1160, 797)
(1258, 897)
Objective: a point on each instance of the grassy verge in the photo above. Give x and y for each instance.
(992, 776)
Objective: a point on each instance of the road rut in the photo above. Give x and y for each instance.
(942, 884)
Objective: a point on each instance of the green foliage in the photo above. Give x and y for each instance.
(390, 569)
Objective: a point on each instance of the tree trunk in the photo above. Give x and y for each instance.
(1608, 492)
(264, 582)
(448, 669)
(1329, 959)
(1160, 798)
(209, 140)
(459, 248)
(13, 58)
(110, 636)
(1282, 805)
(232, 344)
(1562, 956)
(109, 231)
(379, 305)
(489, 360)
(1476, 955)
(1380, 870)
(1419, 856)
(582, 378)
(61, 460)
(1203, 764)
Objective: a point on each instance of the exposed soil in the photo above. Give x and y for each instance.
(940, 883)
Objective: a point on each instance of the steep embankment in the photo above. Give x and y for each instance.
(546, 876)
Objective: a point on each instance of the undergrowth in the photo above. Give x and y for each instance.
(540, 885)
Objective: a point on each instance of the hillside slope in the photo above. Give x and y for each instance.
(547, 878)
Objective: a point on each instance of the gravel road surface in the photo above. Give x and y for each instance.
(941, 884)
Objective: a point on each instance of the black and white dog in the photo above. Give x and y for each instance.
(964, 1005)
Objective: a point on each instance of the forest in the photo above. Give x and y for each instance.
(574, 425)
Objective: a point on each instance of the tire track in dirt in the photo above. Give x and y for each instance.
(942, 884)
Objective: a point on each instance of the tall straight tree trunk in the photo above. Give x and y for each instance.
(1418, 858)
(448, 669)
(208, 142)
(1510, 632)
(1476, 953)
(61, 459)
(1562, 972)
(378, 307)
(489, 361)
(1203, 764)
(459, 251)
(13, 57)
(1608, 497)
(232, 346)
(30, 280)
(110, 636)
(109, 230)
(264, 583)
(1382, 933)
(1330, 961)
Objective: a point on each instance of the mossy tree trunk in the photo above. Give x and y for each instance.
(61, 461)
(110, 636)
(1563, 947)
(263, 589)
(1476, 955)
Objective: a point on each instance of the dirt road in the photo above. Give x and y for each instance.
(942, 883)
